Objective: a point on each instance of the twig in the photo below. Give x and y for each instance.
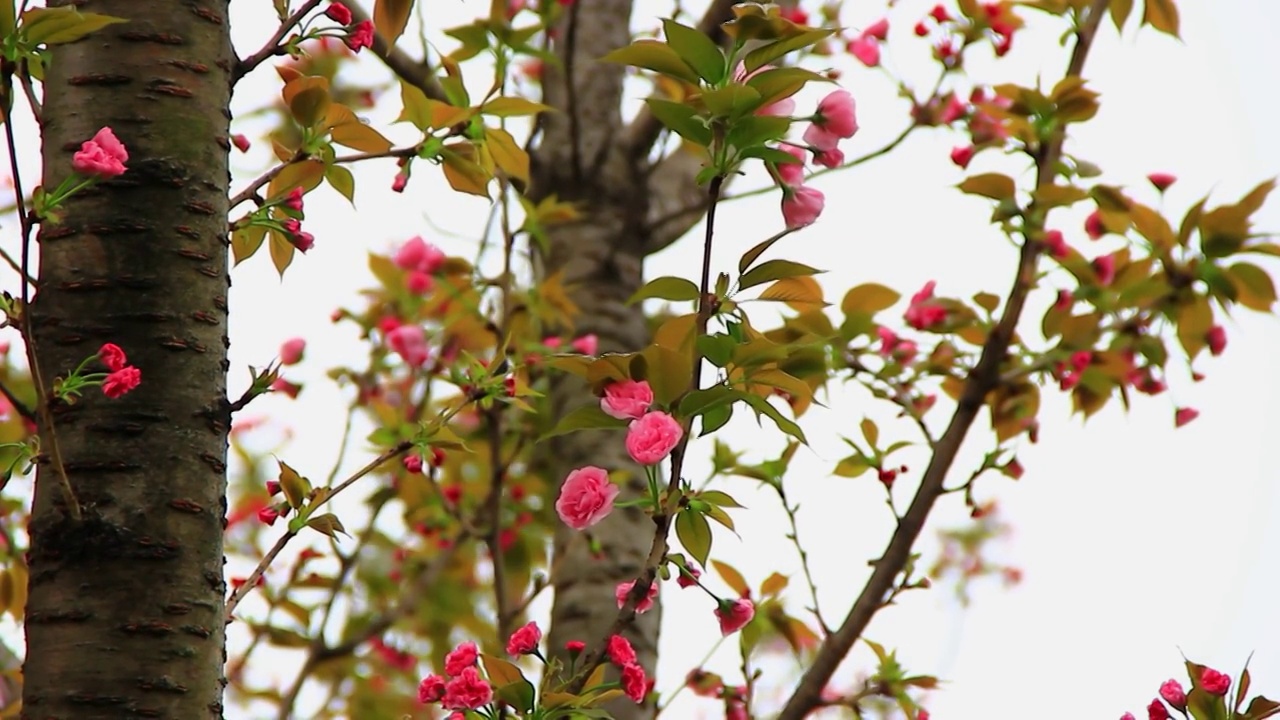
(250, 191)
(8, 259)
(272, 48)
(794, 537)
(242, 591)
(23, 411)
(985, 377)
(42, 397)
(664, 515)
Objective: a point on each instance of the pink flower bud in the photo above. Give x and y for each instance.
(1093, 226)
(1172, 692)
(241, 142)
(963, 155)
(1182, 416)
(360, 37)
(1217, 340)
(801, 206)
(688, 576)
(646, 603)
(734, 615)
(587, 344)
(1214, 682)
(866, 49)
(1162, 181)
(413, 463)
(339, 13)
(291, 351)
(574, 647)
(121, 381)
(837, 114)
(524, 641)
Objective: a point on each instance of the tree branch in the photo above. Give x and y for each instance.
(417, 74)
(272, 47)
(985, 377)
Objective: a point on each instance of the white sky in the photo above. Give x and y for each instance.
(1137, 540)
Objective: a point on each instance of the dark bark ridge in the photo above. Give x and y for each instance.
(125, 614)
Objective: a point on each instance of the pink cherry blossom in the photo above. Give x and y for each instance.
(619, 651)
(360, 37)
(586, 497)
(866, 49)
(410, 343)
(460, 658)
(923, 313)
(801, 206)
(1172, 692)
(467, 691)
(524, 641)
(652, 438)
(1214, 682)
(792, 173)
(837, 114)
(734, 615)
(627, 399)
(587, 344)
(819, 138)
(646, 603)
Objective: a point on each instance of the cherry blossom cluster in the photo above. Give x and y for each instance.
(120, 378)
(835, 119)
(1214, 683)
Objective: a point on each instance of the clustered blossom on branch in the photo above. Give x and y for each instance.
(834, 120)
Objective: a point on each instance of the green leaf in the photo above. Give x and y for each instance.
(768, 154)
(587, 417)
(327, 524)
(700, 401)
(340, 179)
(869, 298)
(732, 101)
(715, 418)
(669, 371)
(852, 466)
(870, 432)
(666, 288)
(681, 119)
(697, 50)
(718, 349)
(774, 270)
(391, 17)
(991, 185)
(511, 685)
(764, 407)
(656, 56)
(755, 252)
(8, 19)
(715, 497)
(694, 534)
(781, 83)
(763, 55)
(416, 106)
(1120, 10)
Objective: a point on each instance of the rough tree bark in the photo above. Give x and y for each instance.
(586, 154)
(579, 158)
(125, 615)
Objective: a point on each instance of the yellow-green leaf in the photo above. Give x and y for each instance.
(869, 298)
(305, 174)
(390, 17)
(327, 524)
(340, 179)
(507, 154)
(464, 174)
(54, 26)
(799, 293)
(246, 241)
(1161, 15)
(668, 287)
(1254, 286)
(653, 55)
(731, 577)
(512, 107)
(346, 129)
(694, 534)
(991, 185)
(281, 252)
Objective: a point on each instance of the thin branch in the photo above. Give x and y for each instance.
(272, 47)
(417, 74)
(794, 537)
(242, 591)
(985, 377)
(664, 515)
(42, 397)
(23, 411)
(8, 259)
(250, 192)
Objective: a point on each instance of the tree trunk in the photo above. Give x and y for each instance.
(125, 615)
(581, 157)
